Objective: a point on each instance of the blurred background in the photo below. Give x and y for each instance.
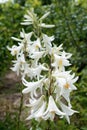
(70, 19)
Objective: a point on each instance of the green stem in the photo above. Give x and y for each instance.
(48, 125)
(20, 111)
(50, 75)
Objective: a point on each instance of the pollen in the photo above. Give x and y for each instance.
(15, 52)
(37, 47)
(60, 62)
(22, 62)
(66, 86)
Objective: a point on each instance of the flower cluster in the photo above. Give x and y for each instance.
(42, 67)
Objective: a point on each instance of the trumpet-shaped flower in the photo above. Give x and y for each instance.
(47, 42)
(56, 50)
(19, 64)
(36, 56)
(16, 50)
(32, 86)
(60, 61)
(36, 72)
(64, 85)
(35, 103)
(36, 46)
(26, 37)
(37, 107)
(51, 110)
(68, 111)
(38, 115)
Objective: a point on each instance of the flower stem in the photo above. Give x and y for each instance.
(20, 111)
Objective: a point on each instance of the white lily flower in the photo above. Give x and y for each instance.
(56, 50)
(60, 62)
(26, 71)
(19, 64)
(36, 46)
(26, 36)
(37, 107)
(36, 56)
(32, 86)
(36, 72)
(66, 55)
(47, 42)
(38, 115)
(62, 89)
(35, 103)
(16, 50)
(62, 74)
(52, 109)
(67, 110)
(64, 85)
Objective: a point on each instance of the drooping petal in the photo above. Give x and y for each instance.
(31, 86)
(68, 111)
(52, 109)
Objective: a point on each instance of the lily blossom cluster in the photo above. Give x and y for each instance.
(42, 66)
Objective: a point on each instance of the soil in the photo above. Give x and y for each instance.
(9, 83)
(10, 95)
